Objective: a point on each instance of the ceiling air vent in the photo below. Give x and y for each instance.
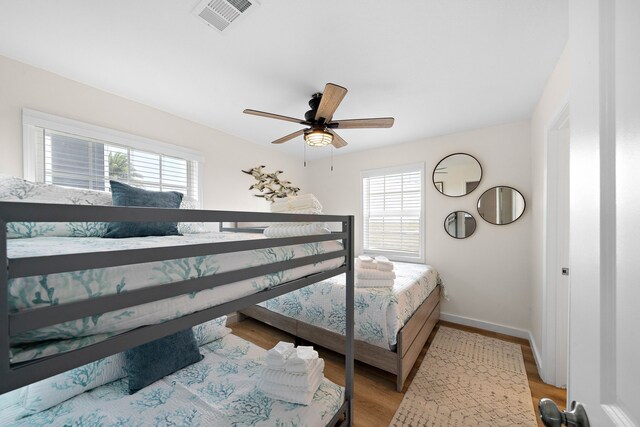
(220, 13)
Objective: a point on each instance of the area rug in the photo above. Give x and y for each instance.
(468, 379)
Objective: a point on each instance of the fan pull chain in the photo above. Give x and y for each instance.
(332, 158)
(305, 154)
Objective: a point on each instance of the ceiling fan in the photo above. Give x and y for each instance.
(319, 119)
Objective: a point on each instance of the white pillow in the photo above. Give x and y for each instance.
(211, 331)
(13, 189)
(49, 392)
(190, 227)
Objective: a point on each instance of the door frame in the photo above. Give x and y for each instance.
(551, 265)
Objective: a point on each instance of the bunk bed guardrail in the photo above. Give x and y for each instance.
(18, 375)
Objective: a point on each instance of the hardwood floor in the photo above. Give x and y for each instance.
(375, 396)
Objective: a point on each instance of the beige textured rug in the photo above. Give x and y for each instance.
(468, 379)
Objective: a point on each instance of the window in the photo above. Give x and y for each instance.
(75, 154)
(392, 201)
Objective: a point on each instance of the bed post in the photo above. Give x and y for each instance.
(4, 304)
(349, 289)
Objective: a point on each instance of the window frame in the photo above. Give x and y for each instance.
(394, 256)
(32, 119)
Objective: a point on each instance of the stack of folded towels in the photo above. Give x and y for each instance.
(291, 374)
(374, 272)
(303, 204)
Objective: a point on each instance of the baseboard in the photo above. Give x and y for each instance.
(487, 326)
(536, 354)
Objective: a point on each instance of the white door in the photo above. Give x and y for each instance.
(604, 337)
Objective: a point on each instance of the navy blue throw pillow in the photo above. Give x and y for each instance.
(149, 362)
(126, 195)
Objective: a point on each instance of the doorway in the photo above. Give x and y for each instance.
(557, 270)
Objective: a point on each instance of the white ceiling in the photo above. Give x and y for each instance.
(437, 66)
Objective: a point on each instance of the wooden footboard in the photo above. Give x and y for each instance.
(411, 338)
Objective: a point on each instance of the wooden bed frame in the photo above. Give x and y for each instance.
(411, 338)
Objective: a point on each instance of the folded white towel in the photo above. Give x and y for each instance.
(301, 395)
(295, 224)
(304, 201)
(372, 283)
(278, 355)
(366, 273)
(383, 264)
(294, 380)
(310, 229)
(307, 211)
(300, 360)
(364, 261)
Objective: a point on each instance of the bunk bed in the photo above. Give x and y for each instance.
(392, 325)
(21, 324)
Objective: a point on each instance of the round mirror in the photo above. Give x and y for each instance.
(457, 175)
(501, 205)
(460, 224)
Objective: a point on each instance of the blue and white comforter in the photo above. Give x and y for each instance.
(379, 312)
(60, 288)
(220, 391)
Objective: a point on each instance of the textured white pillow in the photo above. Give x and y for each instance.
(13, 189)
(211, 331)
(190, 227)
(44, 394)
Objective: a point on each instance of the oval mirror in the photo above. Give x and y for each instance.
(457, 175)
(501, 205)
(460, 224)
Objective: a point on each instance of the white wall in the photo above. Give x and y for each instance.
(225, 187)
(552, 100)
(486, 275)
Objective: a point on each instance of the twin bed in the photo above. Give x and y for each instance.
(391, 324)
(217, 391)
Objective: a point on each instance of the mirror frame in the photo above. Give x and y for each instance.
(524, 201)
(433, 174)
(455, 237)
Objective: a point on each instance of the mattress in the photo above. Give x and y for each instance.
(379, 312)
(61, 288)
(220, 390)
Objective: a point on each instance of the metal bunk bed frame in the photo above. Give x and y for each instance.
(21, 374)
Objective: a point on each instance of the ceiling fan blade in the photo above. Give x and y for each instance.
(338, 142)
(331, 98)
(274, 116)
(288, 137)
(381, 122)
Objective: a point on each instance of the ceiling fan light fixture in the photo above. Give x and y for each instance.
(318, 138)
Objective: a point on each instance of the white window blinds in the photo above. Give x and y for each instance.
(74, 157)
(393, 212)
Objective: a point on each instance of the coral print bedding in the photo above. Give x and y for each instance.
(379, 312)
(60, 288)
(220, 390)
